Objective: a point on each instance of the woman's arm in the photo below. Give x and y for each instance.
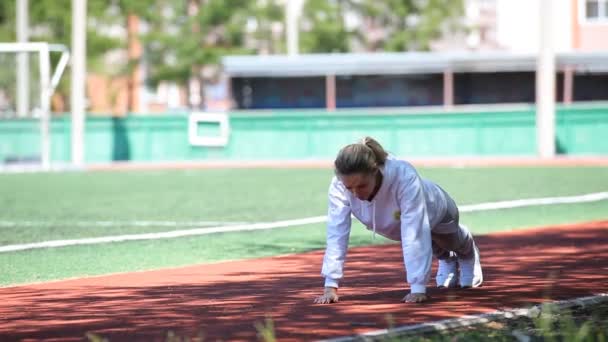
(338, 233)
(415, 234)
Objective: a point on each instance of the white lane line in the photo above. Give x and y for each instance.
(289, 223)
(6, 223)
(164, 235)
(469, 320)
(594, 197)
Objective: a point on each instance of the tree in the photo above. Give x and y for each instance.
(323, 28)
(184, 40)
(187, 39)
(403, 25)
(51, 21)
(7, 21)
(267, 28)
(371, 25)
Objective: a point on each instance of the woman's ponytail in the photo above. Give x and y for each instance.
(378, 150)
(364, 157)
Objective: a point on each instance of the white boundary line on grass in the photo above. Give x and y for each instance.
(164, 235)
(593, 197)
(289, 223)
(468, 320)
(7, 223)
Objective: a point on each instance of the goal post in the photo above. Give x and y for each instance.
(27, 82)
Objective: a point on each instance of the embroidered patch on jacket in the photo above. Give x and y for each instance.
(397, 215)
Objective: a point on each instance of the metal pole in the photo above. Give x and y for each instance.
(79, 13)
(545, 84)
(448, 88)
(568, 84)
(45, 108)
(23, 69)
(292, 18)
(330, 92)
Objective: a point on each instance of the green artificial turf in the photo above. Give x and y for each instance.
(58, 200)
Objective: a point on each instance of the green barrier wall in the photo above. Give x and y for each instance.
(581, 130)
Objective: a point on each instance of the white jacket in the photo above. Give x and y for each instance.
(404, 209)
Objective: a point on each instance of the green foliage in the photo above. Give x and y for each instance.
(266, 330)
(551, 325)
(51, 21)
(560, 326)
(173, 337)
(95, 338)
(7, 21)
(404, 24)
(187, 38)
(392, 25)
(184, 38)
(323, 27)
(268, 36)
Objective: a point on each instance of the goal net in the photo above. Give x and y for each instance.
(27, 82)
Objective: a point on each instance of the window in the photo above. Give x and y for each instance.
(596, 10)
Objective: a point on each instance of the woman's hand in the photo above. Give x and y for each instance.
(415, 298)
(330, 295)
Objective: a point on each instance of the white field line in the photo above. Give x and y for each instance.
(469, 320)
(594, 197)
(117, 223)
(288, 223)
(164, 235)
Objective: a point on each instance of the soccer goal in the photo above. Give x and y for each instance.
(27, 82)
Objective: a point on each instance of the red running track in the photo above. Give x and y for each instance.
(225, 300)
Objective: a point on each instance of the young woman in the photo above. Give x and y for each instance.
(390, 198)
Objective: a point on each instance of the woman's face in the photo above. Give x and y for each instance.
(362, 185)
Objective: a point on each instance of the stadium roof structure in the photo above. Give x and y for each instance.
(342, 64)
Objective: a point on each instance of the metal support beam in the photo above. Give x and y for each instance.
(330, 92)
(23, 66)
(448, 88)
(79, 13)
(45, 108)
(568, 84)
(292, 18)
(545, 83)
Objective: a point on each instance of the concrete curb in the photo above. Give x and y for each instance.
(469, 320)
